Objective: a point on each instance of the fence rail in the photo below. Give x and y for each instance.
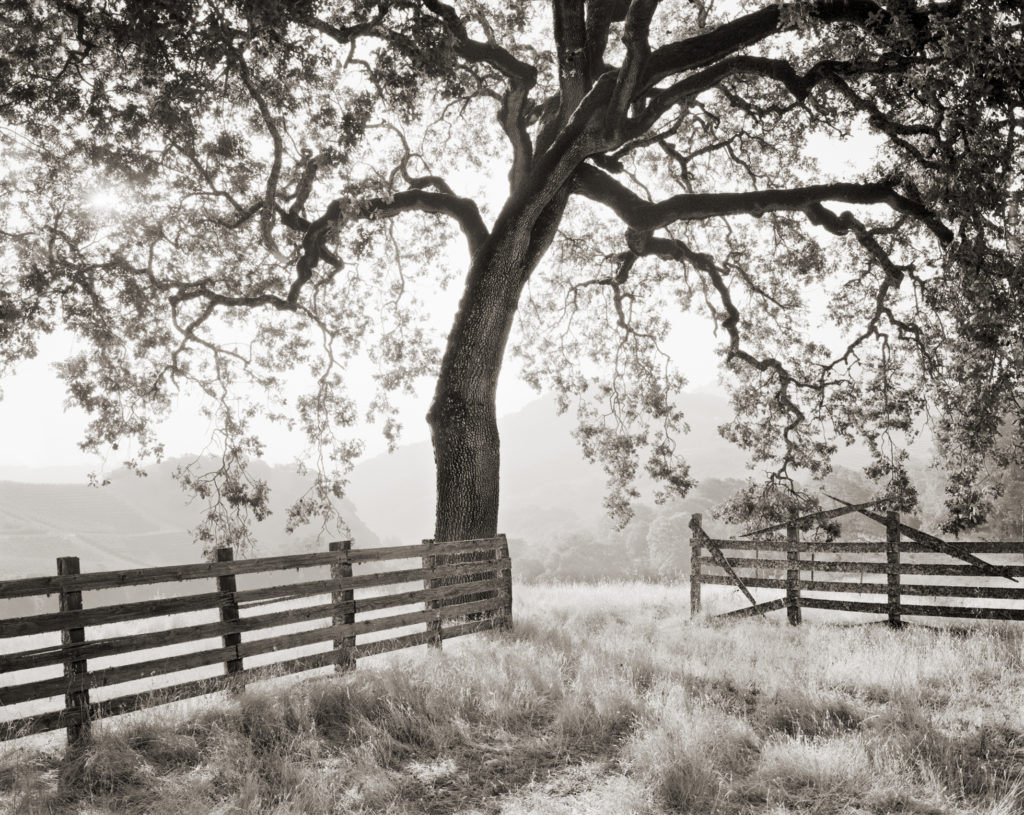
(480, 601)
(791, 565)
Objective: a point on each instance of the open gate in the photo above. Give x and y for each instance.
(950, 579)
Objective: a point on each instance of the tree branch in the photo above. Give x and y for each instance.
(645, 216)
(736, 35)
(521, 78)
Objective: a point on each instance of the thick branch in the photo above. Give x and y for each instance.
(475, 51)
(646, 216)
(570, 41)
(733, 37)
(635, 36)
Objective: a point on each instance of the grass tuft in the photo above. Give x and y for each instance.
(690, 756)
(797, 711)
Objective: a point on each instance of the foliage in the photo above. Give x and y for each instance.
(291, 181)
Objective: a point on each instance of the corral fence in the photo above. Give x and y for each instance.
(963, 579)
(481, 600)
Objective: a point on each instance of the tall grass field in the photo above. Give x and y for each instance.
(604, 698)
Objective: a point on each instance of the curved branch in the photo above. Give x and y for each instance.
(463, 210)
(267, 212)
(644, 244)
(645, 216)
(521, 78)
(732, 37)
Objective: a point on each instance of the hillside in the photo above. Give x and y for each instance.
(133, 522)
(547, 486)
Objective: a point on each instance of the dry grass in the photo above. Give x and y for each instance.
(604, 699)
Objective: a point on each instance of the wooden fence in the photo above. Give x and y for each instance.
(482, 602)
(891, 570)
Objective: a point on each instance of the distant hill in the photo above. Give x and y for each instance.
(134, 522)
(547, 486)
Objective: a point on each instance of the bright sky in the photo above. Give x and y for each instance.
(40, 432)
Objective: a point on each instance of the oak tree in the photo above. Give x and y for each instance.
(295, 180)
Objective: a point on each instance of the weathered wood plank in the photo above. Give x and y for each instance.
(987, 592)
(752, 582)
(112, 646)
(854, 587)
(227, 586)
(474, 627)
(406, 598)
(750, 611)
(412, 575)
(25, 587)
(344, 606)
(76, 700)
(793, 574)
(393, 644)
(822, 515)
(697, 537)
(30, 725)
(119, 674)
(203, 687)
(505, 620)
(427, 616)
(912, 610)
(423, 637)
(101, 615)
(892, 560)
(865, 547)
(938, 569)
(429, 562)
(420, 549)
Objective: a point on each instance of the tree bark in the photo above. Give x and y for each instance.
(462, 417)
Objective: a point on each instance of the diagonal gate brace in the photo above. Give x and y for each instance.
(938, 545)
(722, 561)
(823, 515)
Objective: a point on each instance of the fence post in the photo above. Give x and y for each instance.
(696, 540)
(344, 606)
(434, 626)
(76, 700)
(227, 585)
(892, 571)
(793, 610)
(505, 615)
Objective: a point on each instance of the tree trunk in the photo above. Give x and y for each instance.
(462, 417)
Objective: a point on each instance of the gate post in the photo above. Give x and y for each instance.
(892, 569)
(344, 606)
(76, 700)
(793, 610)
(505, 615)
(696, 540)
(227, 585)
(434, 626)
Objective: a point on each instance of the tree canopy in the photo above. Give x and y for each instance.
(294, 182)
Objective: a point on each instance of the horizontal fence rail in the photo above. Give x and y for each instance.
(876, 568)
(466, 588)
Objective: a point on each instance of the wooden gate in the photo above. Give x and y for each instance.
(963, 579)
